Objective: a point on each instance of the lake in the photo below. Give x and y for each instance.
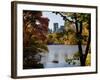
(57, 53)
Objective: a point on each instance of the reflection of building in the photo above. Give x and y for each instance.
(55, 27)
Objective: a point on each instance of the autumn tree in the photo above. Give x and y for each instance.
(35, 29)
(78, 19)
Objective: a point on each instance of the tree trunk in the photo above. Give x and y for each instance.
(89, 39)
(79, 37)
(82, 59)
(83, 56)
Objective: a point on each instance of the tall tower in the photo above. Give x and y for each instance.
(55, 27)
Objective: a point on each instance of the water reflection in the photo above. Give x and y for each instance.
(57, 53)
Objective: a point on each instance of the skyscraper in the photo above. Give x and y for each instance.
(55, 27)
(61, 28)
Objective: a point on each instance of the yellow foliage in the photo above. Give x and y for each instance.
(88, 60)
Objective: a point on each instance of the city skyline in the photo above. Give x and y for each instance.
(53, 18)
(56, 28)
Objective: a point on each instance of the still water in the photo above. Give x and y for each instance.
(57, 53)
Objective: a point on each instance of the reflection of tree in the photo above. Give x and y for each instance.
(78, 19)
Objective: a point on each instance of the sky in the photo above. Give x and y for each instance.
(53, 19)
